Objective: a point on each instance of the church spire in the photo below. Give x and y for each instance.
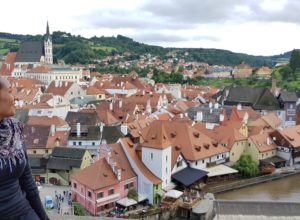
(47, 30)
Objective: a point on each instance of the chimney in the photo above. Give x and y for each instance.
(111, 106)
(222, 117)
(101, 128)
(60, 83)
(124, 129)
(120, 104)
(239, 107)
(56, 83)
(216, 105)
(210, 105)
(181, 115)
(199, 116)
(119, 174)
(52, 130)
(269, 142)
(78, 129)
(66, 84)
(186, 114)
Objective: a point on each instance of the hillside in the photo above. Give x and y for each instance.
(76, 49)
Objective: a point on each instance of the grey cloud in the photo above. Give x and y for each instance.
(116, 19)
(157, 37)
(218, 11)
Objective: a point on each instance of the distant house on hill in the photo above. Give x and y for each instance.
(260, 99)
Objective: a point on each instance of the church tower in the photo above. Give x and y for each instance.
(48, 47)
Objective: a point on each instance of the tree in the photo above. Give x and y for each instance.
(132, 194)
(295, 60)
(78, 209)
(246, 166)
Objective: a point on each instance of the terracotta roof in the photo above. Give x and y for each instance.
(292, 135)
(60, 136)
(24, 82)
(263, 142)
(11, 57)
(60, 89)
(36, 136)
(96, 176)
(92, 90)
(184, 138)
(226, 134)
(25, 94)
(156, 136)
(39, 69)
(119, 156)
(131, 152)
(272, 119)
(44, 120)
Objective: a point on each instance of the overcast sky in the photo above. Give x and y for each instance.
(259, 27)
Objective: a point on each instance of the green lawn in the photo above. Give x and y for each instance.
(5, 40)
(4, 51)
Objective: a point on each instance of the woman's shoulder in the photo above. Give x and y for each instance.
(15, 123)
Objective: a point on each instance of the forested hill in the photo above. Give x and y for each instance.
(77, 49)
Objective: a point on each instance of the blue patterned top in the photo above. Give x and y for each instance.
(18, 190)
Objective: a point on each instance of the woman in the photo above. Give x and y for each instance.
(19, 196)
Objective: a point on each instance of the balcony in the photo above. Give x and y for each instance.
(110, 198)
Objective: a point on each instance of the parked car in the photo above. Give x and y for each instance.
(49, 202)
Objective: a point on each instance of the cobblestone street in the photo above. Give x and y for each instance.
(52, 190)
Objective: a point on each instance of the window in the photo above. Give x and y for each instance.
(156, 187)
(46, 151)
(166, 158)
(89, 194)
(81, 190)
(232, 154)
(111, 192)
(71, 93)
(93, 143)
(196, 163)
(79, 143)
(218, 157)
(75, 185)
(179, 163)
(202, 161)
(151, 156)
(131, 185)
(78, 93)
(74, 143)
(126, 186)
(291, 112)
(100, 195)
(166, 170)
(34, 151)
(67, 171)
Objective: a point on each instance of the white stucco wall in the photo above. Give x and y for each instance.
(159, 163)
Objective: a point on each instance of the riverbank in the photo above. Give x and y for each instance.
(285, 189)
(257, 208)
(248, 182)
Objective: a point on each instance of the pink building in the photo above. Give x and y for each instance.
(99, 186)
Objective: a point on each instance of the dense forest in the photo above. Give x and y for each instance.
(77, 49)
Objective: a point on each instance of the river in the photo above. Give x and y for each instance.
(286, 189)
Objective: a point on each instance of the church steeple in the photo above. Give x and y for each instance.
(48, 46)
(47, 36)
